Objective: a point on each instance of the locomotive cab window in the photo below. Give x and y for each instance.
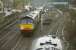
(26, 21)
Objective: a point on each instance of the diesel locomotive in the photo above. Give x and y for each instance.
(29, 22)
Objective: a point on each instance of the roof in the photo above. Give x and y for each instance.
(33, 14)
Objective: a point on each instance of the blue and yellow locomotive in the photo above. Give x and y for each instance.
(29, 22)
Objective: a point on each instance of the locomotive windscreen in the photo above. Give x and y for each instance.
(26, 20)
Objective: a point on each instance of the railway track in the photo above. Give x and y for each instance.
(9, 33)
(23, 44)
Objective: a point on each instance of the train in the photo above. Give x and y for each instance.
(50, 42)
(29, 22)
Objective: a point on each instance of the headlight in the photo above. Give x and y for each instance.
(21, 28)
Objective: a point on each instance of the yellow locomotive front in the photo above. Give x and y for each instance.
(26, 25)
